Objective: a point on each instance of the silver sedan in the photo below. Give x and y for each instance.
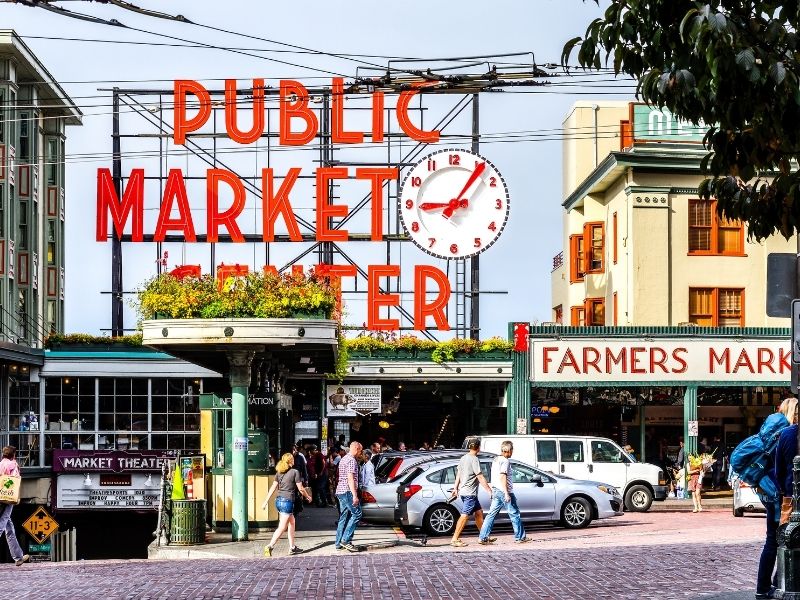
(542, 497)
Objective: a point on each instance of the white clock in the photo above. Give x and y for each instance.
(454, 203)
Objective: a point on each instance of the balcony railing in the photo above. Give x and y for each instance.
(558, 261)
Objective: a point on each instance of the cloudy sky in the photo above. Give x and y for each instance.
(521, 128)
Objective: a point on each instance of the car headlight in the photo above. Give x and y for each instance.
(607, 489)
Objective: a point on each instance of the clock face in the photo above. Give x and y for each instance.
(454, 203)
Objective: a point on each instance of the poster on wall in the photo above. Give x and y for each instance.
(352, 400)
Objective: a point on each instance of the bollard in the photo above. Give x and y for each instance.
(789, 540)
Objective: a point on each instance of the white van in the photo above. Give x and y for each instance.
(587, 457)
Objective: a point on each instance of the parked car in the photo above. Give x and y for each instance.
(378, 500)
(745, 499)
(388, 465)
(542, 497)
(587, 457)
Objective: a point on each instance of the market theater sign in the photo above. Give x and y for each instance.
(298, 126)
(639, 361)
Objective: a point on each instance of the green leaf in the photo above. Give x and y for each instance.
(568, 47)
(746, 59)
(688, 19)
(778, 72)
(717, 22)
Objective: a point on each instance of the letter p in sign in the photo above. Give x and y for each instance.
(795, 343)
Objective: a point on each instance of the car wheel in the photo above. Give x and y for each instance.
(440, 520)
(638, 499)
(576, 513)
(738, 512)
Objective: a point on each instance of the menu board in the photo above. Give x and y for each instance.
(96, 491)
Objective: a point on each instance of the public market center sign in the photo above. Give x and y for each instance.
(298, 126)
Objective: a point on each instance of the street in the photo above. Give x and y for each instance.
(656, 554)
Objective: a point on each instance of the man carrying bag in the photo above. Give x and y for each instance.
(9, 496)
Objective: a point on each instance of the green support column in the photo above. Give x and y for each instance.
(689, 414)
(642, 420)
(239, 378)
(518, 392)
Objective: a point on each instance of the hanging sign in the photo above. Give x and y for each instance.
(352, 400)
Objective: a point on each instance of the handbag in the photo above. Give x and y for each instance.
(786, 510)
(9, 489)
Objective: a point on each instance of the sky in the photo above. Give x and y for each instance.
(518, 265)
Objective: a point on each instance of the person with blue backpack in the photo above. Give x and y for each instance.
(753, 462)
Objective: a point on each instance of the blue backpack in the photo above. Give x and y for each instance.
(752, 459)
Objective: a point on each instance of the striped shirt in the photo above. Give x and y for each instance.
(348, 464)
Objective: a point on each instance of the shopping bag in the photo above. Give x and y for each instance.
(9, 489)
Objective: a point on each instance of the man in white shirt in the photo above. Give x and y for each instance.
(502, 482)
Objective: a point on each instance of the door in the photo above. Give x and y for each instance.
(535, 503)
(609, 464)
(546, 456)
(572, 457)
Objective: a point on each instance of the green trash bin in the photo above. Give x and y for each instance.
(188, 522)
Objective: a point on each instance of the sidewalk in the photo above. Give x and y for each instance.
(316, 530)
(722, 500)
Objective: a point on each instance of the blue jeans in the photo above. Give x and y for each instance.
(498, 502)
(766, 565)
(284, 505)
(349, 516)
(7, 527)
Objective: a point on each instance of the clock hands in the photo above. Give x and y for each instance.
(458, 202)
(428, 206)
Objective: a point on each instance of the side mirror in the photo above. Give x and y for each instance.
(537, 479)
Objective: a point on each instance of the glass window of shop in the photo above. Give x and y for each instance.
(23, 416)
(121, 413)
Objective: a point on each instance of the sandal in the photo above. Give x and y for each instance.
(458, 543)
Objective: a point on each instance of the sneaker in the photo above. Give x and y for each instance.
(458, 543)
(485, 542)
(350, 547)
(267, 550)
(25, 558)
(491, 540)
(772, 593)
(524, 540)
(296, 550)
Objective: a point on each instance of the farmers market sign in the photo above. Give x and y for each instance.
(298, 126)
(640, 361)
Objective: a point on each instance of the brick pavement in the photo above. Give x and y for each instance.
(637, 555)
(626, 572)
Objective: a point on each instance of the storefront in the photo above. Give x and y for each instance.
(419, 401)
(651, 386)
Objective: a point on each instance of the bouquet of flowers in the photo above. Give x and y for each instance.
(701, 461)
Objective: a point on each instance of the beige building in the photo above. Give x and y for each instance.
(640, 246)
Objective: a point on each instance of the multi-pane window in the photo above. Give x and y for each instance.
(716, 307)
(594, 240)
(577, 316)
(711, 234)
(51, 242)
(595, 311)
(576, 258)
(24, 139)
(51, 159)
(587, 251)
(558, 314)
(52, 317)
(23, 416)
(22, 239)
(122, 413)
